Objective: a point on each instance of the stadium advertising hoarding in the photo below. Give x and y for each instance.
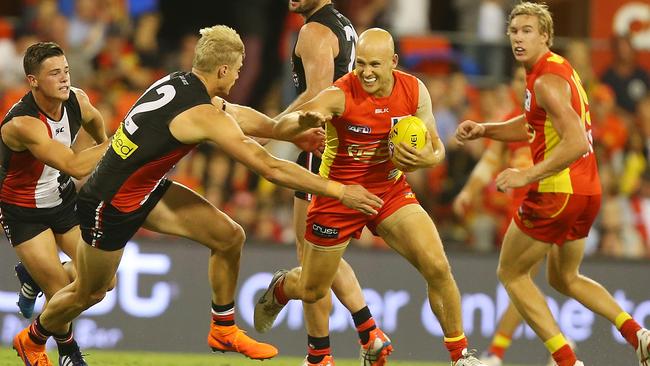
(162, 303)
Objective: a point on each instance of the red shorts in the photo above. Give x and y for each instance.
(557, 217)
(330, 223)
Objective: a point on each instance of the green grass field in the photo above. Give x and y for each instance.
(104, 358)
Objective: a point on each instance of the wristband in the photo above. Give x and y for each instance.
(334, 189)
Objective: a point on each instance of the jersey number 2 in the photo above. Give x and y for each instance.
(168, 93)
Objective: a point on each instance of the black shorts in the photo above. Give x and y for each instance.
(310, 162)
(107, 228)
(24, 223)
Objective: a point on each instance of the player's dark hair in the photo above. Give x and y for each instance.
(37, 53)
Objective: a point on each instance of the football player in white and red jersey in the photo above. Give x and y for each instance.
(38, 155)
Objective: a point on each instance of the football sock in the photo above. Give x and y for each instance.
(37, 333)
(317, 348)
(455, 346)
(560, 350)
(278, 292)
(364, 323)
(500, 344)
(628, 328)
(66, 343)
(223, 315)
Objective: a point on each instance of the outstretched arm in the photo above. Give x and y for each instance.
(513, 129)
(205, 122)
(330, 102)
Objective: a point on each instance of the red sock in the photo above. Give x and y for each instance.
(278, 292)
(565, 356)
(455, 346)
(500, 344)
(628, 331)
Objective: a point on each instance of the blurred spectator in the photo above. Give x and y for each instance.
(578, 54)
(145, 40)
(363, 14)
(491, 31)
(629, 81)
(407, 17)
(87, 28)
(12, 49)
(608, 128)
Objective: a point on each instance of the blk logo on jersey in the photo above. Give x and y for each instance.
(359, 129)
(381, 110)
(59, 130)
(324, 231)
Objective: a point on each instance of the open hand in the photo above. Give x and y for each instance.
(358, 198)
(408, 159)
(312, 140)
(311, 119)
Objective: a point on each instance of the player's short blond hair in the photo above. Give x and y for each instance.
(219, 45)
(539, 10)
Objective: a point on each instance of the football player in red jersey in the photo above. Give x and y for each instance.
(324, 51)
(364, 104)
(564, 196)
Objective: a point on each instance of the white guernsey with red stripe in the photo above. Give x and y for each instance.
(25, 180)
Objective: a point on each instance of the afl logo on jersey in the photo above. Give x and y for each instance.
(359, 129)
(122, 145)
(527, 101)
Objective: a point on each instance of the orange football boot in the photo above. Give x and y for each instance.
(232, 339)
(31, 353)
(327, 361)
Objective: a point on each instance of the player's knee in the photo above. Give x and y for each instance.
(232, 239)
(111, 285)
(313, 294)
(436, 270)
(238, 237)
(95, 297)
(561, 282)
(504, 274)
(52, 287)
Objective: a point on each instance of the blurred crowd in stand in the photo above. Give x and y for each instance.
(116, 48)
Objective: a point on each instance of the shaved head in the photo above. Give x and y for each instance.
(375, 61)
(376, 42)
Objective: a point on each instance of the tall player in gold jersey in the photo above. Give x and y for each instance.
(564, 198)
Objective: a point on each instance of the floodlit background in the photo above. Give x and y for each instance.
(116, 48)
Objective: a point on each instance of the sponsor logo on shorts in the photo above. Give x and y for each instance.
(122, 145)
(324, 231)
(359, 129)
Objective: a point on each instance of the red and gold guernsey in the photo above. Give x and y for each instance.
(356, 148)
(581, 177)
